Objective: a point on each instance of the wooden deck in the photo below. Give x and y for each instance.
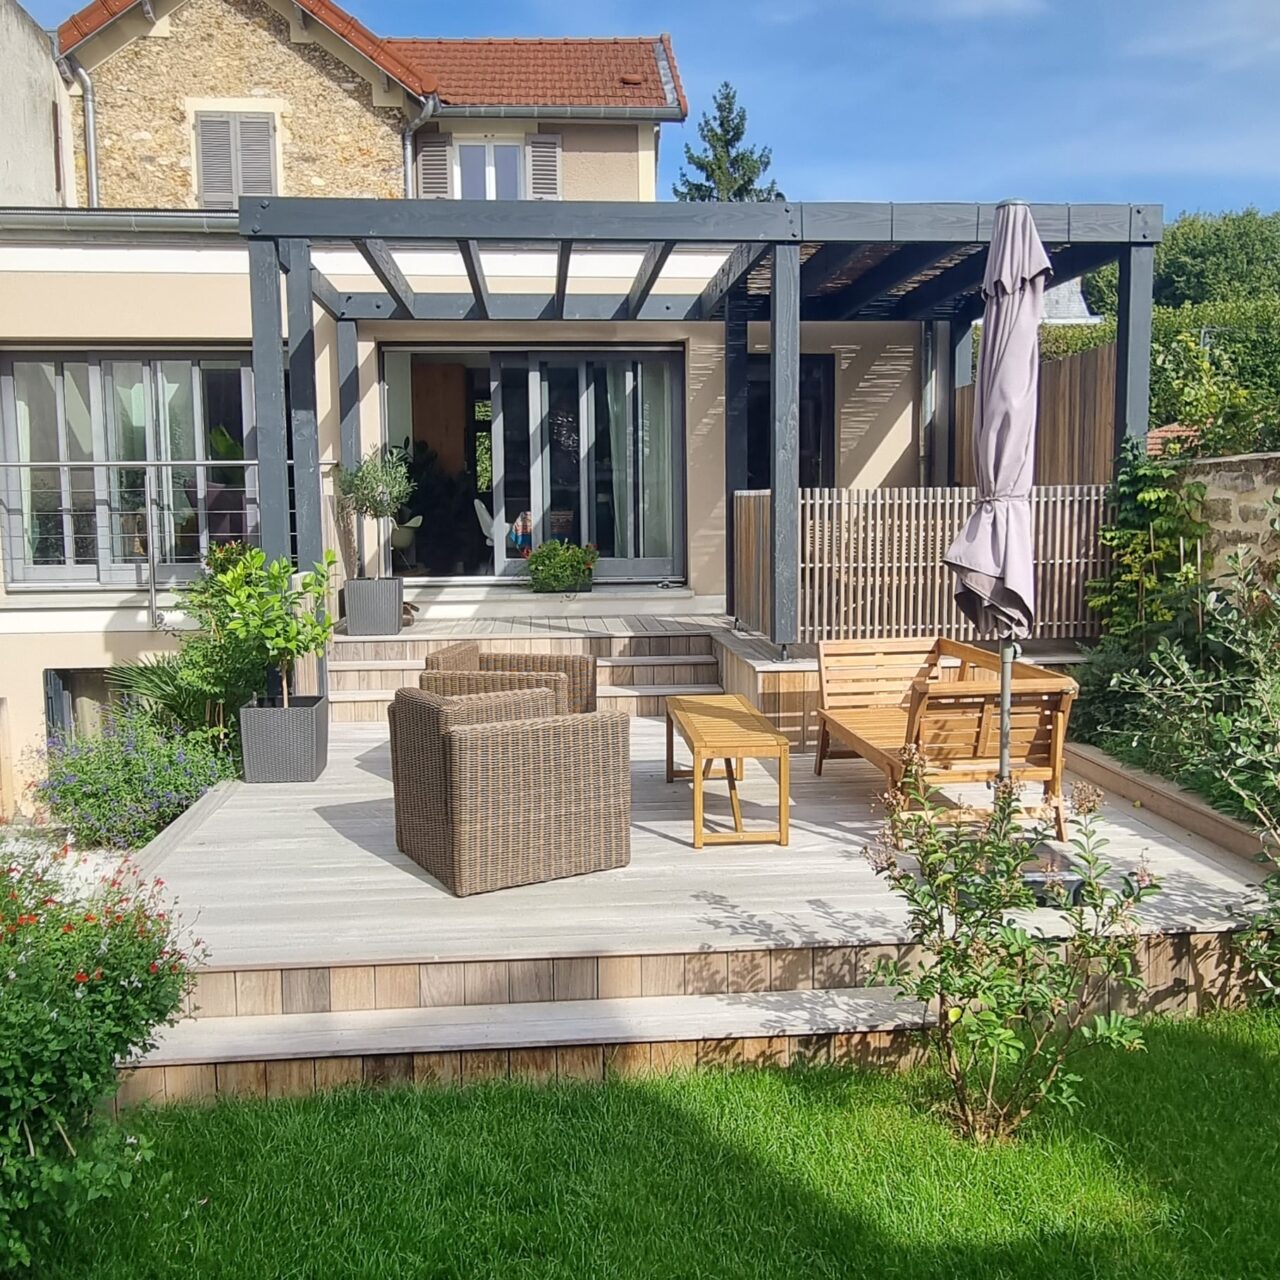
(297, 876)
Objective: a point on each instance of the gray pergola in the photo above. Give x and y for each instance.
(787, 262)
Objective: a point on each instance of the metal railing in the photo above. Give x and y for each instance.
(135, 524)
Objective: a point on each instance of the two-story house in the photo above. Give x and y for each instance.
(195, 104)
(492, 279)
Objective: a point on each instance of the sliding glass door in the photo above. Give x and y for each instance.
(589, 449)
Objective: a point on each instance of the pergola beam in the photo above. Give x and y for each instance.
(825, 265)
(515, 306)
(383, 265)
(655, 258)
(325, 292)
(926, 300)
(475, 275)
(564, 254)
(737, 265)
(899, 267)
(1076, 260)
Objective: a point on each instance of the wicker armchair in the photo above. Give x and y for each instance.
(464, 684)
(579, 669)
(493, 790)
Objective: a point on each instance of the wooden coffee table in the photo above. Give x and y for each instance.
(725, 726)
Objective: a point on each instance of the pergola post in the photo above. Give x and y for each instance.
(1133, 342)
(735, 426)
(268, 398)
(302, 403)
(939, 401)
(784, 394)
(348, 393)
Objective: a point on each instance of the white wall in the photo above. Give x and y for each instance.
(30, 93)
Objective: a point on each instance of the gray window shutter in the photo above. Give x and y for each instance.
(544, 166)
(215, 162)
(256, 154)
(435, 165)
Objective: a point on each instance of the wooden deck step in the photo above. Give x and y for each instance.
(547, 1024)
(660, 660)
(621, 692)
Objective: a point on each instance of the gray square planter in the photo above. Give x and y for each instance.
(374, 606)
(285, 744)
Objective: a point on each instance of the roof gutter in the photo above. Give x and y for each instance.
(430, 106)
(53, 224)
(478, 112)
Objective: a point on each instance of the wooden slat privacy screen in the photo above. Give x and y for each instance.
(871, 561)
(752, 558)
(1075, 435)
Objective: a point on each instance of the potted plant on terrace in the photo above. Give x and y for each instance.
(284, 736)
(562, 566)
(375, 489)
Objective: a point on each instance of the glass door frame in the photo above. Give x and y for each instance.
(538, 362)
(531, 359)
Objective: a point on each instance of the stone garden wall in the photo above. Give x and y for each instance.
(1236, 493)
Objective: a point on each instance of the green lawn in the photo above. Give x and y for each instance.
(1168, 1171)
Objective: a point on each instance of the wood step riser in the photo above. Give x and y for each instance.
(255, 992)
(593, 1063)
(603, 646)
(343, 678)
(373, 710)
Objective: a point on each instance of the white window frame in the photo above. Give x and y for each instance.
(490, 171)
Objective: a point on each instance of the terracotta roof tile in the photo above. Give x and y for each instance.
(95, 15)
(635, 72)
(553, 73)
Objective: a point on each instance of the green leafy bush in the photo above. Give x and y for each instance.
(1015, 1007)
(278, 620)
(1154, 533)
(1057, 341)
(378, 486)
(561, 566)
(87, 975)
(121, 787)
(215, 671)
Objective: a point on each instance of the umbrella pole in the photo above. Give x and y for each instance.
(1008, 651)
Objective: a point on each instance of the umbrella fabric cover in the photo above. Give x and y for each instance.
(993, 556)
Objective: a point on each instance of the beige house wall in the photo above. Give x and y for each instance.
(877, 425)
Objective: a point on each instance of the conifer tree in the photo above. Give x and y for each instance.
(726, 168)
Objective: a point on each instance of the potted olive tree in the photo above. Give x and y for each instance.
(284, 736)
(375, 489)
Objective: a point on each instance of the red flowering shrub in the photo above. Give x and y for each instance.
(89, 969)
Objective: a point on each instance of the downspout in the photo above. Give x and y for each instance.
(428, 110)
(90, 134)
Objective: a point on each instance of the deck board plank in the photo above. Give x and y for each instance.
(309, 875)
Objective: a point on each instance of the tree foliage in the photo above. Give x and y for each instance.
(1205, 257)
(726, 168)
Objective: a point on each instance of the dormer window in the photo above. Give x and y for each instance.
(489, 169)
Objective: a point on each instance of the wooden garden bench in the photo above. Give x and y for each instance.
(942, 697)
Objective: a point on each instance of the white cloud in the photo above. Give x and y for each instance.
(1226, 35)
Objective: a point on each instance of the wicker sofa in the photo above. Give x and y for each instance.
(577, 693)
(495, 789)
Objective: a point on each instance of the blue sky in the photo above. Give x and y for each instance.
(1144, 100)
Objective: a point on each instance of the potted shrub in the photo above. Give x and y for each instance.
(284, 737)
(376, 489)
(562, 566)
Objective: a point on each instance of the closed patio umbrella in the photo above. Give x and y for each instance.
(993, 556)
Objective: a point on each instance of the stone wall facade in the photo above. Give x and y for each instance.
(1237, 491)
(333, 140)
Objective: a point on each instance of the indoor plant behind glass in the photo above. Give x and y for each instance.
(284, 736)
(375, 489)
